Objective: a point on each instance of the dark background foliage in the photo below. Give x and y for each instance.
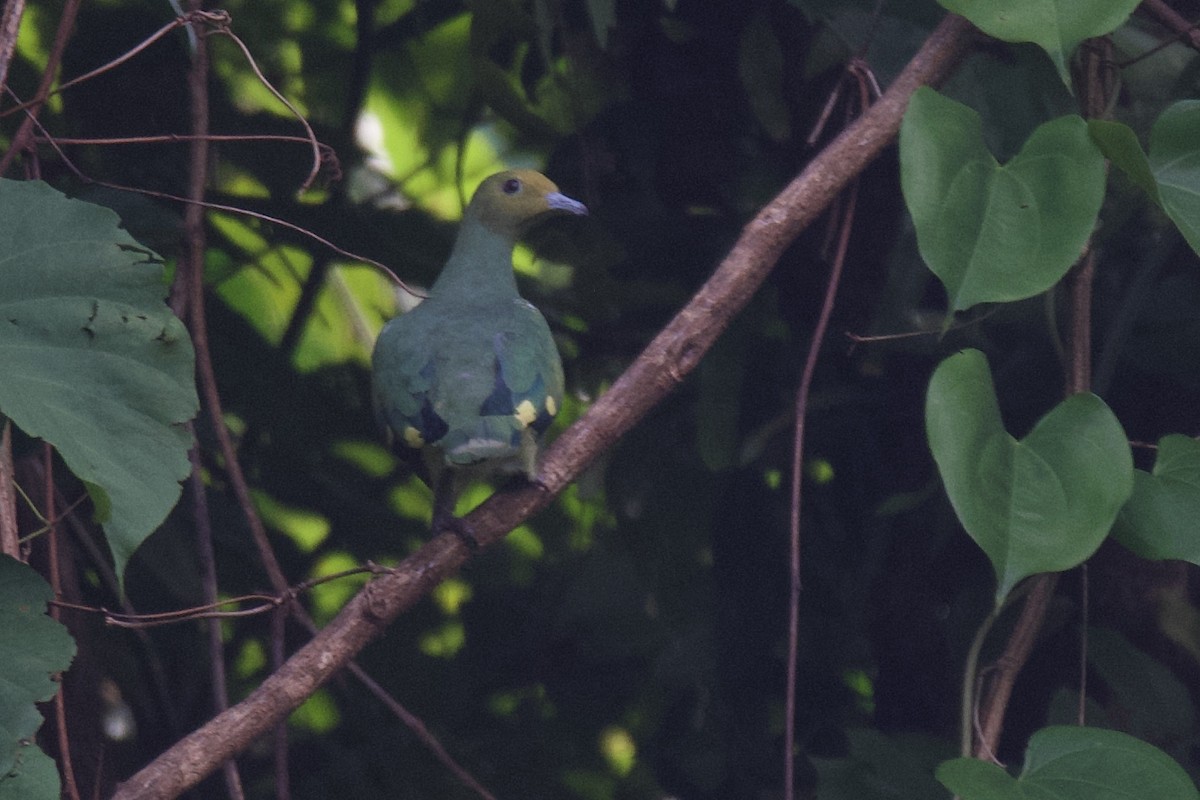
(629, 642)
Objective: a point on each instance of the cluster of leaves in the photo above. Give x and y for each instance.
(628, 642)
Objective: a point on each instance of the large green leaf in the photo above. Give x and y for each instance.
(32, 648)
(1159, 521)
(1057, 26)
(1041, 504)
(996, 233)
(35, 777)
(1175, 161)
(1171, 175)
(1074, 763)
(93, 360)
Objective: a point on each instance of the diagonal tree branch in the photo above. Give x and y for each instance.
(673, 354)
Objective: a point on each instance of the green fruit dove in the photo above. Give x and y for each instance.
(466, 382)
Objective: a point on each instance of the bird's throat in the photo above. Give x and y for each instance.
(479, 269)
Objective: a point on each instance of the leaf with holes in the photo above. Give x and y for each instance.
(1040, 504)
(93, 360)
(33, 647)
(996, 233)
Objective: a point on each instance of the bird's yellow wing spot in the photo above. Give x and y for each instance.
(413, 437)
(525, 413)
(551, 406)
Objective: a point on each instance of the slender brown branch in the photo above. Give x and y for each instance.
(10, 26)
(193, 288)
(70, 787)
(311, 134)
(10, 535)
(415, 724)
(242, 212)
(1183, 29)
(283, 783)
(657, 371)
(1012, 660)
(802, 393)
(66, 24)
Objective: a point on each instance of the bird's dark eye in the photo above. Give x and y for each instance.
(511, 186)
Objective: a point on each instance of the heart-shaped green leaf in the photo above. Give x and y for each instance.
(1159, 521)
(1042, 504)
(1171, 175)
(92, 359)
(1056, 26)
(1175, 161)
(996, 233)
(1073, 763)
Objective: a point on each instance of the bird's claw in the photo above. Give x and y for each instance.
(460, 528)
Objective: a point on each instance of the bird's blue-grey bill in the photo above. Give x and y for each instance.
(561, 202)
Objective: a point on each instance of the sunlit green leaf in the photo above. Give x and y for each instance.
(319, 713)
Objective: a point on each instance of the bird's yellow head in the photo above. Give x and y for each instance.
(509, 202)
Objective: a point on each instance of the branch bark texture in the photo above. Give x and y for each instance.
(666, 361)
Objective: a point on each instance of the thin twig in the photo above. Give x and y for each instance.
(191, 279)
(152, 662)
(283, 783)
(70, 788)
(312, 136)
(672, 355)
(10, 535)
(10, 26)
(1174, 21)
(802, 393)
(843, 218)
(241, 212)
(66, 24)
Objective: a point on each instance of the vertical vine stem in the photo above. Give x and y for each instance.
(190, 298)
(970, 670)
(1094, 89)
(846, 224)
